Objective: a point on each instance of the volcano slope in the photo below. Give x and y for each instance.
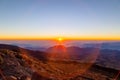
(22, 64)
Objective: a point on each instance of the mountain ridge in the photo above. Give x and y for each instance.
(37, 68)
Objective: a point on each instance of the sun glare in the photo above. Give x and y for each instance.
(60, 39)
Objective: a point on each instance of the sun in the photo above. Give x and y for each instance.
(60, 39)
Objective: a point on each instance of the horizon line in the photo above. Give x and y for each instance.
(65, 39)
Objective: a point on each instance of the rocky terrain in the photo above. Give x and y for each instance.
(22, 64)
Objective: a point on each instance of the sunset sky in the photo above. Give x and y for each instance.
(72, 19)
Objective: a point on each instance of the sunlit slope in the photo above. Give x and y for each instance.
(38, 66)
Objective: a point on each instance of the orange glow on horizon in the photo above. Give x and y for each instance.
(61, 39)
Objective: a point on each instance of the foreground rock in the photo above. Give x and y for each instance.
(13, 66)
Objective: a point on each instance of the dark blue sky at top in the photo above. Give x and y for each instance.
(67, 18)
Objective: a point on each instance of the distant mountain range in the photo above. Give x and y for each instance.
(74, 53)
(104, 57)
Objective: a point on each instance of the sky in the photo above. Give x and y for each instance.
(72, 19)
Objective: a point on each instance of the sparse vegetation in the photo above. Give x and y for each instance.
(24, 65)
